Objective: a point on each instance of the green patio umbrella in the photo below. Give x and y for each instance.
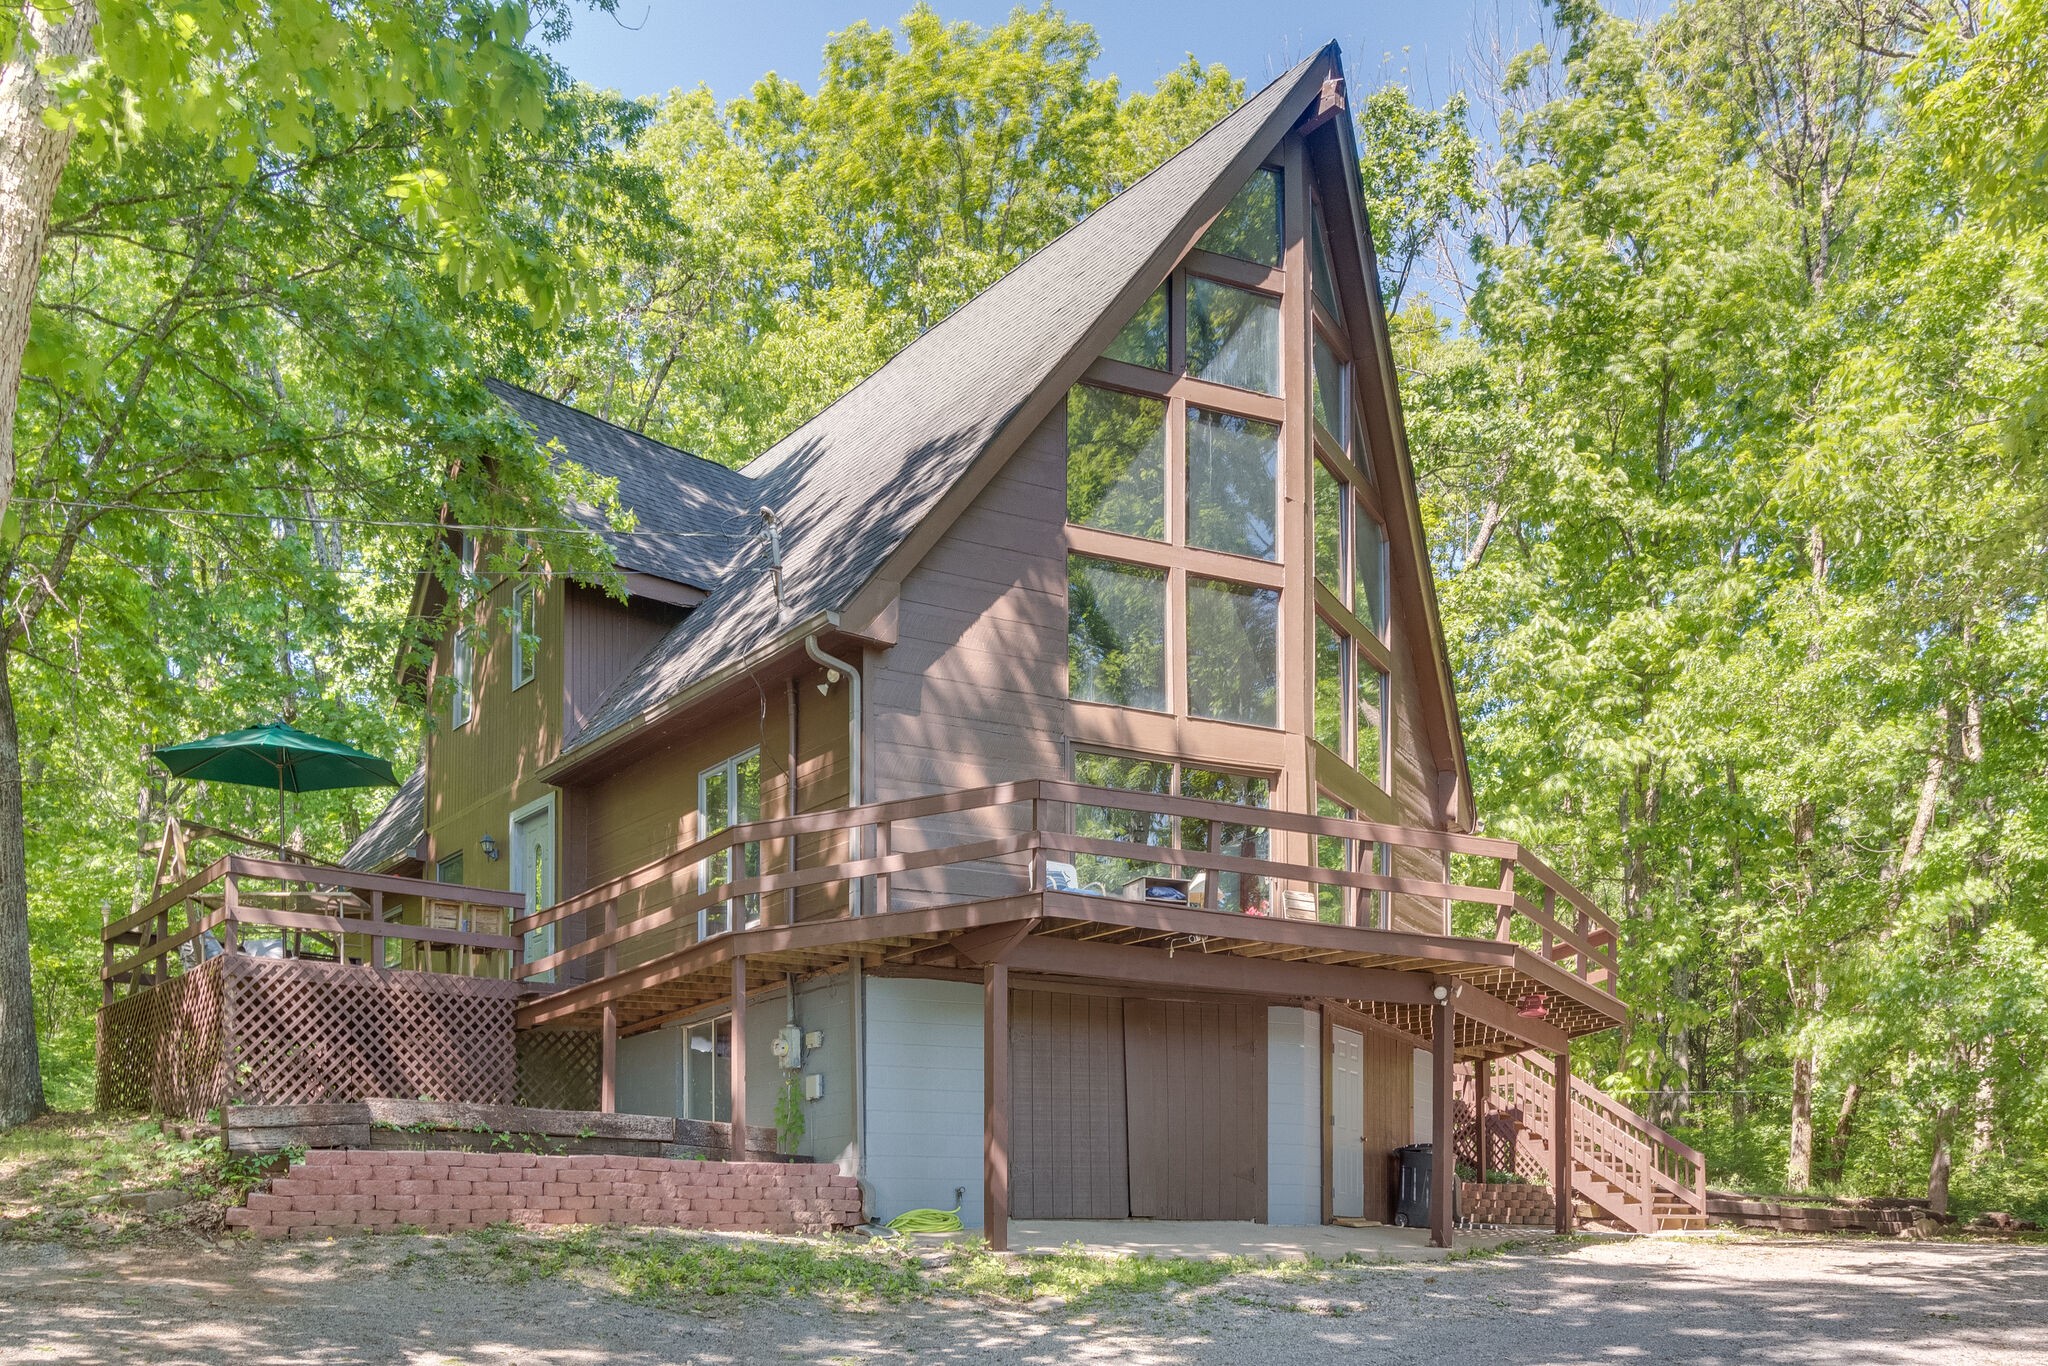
(276, 757)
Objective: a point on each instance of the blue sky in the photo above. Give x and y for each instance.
(654, 45)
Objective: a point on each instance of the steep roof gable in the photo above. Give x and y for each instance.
(692, 514)
(848, 487)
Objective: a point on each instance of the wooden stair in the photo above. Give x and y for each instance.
(1625, 1171)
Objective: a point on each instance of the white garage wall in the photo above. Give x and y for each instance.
(1294, 1106)
(923, 1045)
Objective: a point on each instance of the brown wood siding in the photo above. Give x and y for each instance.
(1389, 1097)
(1067, 1120)
(974, 689)
(647, 808)
(602, 638)
(479, 774)
(1196, 1075)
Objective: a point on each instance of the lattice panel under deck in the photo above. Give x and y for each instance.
(558, 1068)
(307, 1032)
(160, 1049)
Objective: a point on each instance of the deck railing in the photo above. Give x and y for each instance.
(1622, 1163)
(217, 906)
(1021, 830)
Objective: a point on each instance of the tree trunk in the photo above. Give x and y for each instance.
(21, 1076)
(1845, 1124)
(32, 156)
(1799, 1160)
(1938, 1170)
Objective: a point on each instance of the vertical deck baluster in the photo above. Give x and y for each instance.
(377, 932)
(882, 849)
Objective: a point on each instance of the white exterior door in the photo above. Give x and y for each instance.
(1347, 1123)
(533, 872)
(1423, 1124)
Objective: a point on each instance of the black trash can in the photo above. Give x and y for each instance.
(1414, 1169)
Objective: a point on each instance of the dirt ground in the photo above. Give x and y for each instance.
(1652, 1300)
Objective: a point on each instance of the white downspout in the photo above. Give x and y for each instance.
(853, 729)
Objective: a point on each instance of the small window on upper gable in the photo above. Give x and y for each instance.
(1143, 340)
(1249, 228)
(1320, 273)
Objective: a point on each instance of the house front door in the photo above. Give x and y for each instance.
(1347, 1123)
(533, 872)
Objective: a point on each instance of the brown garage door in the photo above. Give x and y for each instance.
(1067, 1155)
(1197, 1080)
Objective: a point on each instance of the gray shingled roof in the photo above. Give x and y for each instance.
(397, 829)
(851, 484)
(692, 512)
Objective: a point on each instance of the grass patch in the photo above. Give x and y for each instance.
(63, 1176)
(684, 1269)
(1083, 1279)
(694, 1271)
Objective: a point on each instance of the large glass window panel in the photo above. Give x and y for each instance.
(730, 795)
(1334, 854)
(1106, 874)
(1369, 569)
(1116, 461)
(1116, 633)
(1232, 891)
(1330, 494)
(1372, 721)
(1331, 649)
(525, 636)
(1325, 279)
(1233, 484)
(1233, 336)
(1330, 389)
(1143, 339)
(1361, 449)
(1249, 227)
(463, 655)
(1233, 651)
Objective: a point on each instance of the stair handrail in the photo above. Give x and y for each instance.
(1661, 1151)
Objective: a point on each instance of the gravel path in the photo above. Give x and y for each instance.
(1659, 1300)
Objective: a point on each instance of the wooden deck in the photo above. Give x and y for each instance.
(270, 981)
(1543, 975)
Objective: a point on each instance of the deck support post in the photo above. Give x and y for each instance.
(995, 1106)
(608, 1041)
(1561, 1136)
(738, 1060)
(608, 1061)
(1482, 1083)
(1442, 1135)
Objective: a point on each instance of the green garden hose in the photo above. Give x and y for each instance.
(927, 1221)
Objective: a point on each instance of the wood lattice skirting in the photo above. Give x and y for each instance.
(161, 1049)
(282, 1032)
(558, 1068)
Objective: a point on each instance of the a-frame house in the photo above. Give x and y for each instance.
(1039, 776)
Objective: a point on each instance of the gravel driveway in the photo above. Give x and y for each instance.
(1652, 1300)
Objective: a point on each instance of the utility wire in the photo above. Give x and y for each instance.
(381, 523)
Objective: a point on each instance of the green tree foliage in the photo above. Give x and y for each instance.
(819, 233)
(252, 387)
(1736, 486)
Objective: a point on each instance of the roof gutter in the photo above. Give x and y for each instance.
(853, 764)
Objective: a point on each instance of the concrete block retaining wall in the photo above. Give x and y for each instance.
(1507, 1203)
(337, 1189)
